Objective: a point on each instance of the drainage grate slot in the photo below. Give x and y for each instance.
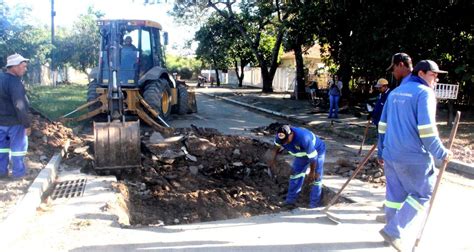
(69, 189)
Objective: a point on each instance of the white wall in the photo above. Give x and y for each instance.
(282, 82)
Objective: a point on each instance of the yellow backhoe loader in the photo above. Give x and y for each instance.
(130, 84)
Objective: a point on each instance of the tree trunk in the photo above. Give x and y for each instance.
(450, 112)
(240, 77)
(267, 80)
(218, 81)
(300, 91)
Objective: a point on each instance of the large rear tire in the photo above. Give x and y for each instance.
(158, 95)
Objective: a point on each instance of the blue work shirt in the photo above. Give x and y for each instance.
(305, 144)
(407, 128)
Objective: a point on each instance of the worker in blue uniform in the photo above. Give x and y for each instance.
(308, 150)
(384, 91)
(14, 118)
(408, 142)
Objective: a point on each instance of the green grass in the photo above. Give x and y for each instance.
(57, 101)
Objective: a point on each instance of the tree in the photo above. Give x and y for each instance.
(212, 48)
(227, 45)
(86, 40)
(19, 36)
(257, 20)
(184, 66)
(300, 36)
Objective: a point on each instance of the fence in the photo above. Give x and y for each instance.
(446, 91)
(282, 82)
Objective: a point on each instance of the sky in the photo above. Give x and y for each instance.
(67, 11)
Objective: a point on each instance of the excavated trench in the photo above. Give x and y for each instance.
(216, 177)
(197, 176)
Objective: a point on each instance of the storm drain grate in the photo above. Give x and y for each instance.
(69, 189)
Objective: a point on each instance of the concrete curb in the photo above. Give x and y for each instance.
(452, 165)
(461, 166)
(25, 209)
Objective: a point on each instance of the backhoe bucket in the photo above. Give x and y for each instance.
(117, 145)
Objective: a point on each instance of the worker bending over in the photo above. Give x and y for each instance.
(308, 150)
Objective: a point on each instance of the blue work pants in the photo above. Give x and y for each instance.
(299, 167)
(13, 145)
(408, 192)
(333, 106)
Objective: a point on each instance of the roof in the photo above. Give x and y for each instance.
(132, 22)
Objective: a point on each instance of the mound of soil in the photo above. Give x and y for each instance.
(46, 139)
(205, 176)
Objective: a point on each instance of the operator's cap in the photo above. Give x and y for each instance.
(381, 82)
(282, 134)
(428, 65)
(15, 59)
(399, 57)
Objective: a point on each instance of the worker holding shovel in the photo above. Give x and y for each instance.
(308, 150)
(408, 141)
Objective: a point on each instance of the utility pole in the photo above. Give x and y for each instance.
(53, 68)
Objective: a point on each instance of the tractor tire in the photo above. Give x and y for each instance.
(92, 95)
(183, 95)
(158, 95)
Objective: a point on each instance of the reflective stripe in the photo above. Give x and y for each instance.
(5, 150)
(277, 144)
(18, 153)
(428, 130)
(414, 203)
(299, 175)
(317, 183)
(382, 127)
(312, 154)
(298, 154)
(395, 205)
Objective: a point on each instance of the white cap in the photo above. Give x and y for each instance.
(15, 59)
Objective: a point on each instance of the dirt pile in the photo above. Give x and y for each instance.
(372, 172)
(267, 130)
(46, 138)
(205, 176)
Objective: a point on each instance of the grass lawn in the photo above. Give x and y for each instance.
(57, 101)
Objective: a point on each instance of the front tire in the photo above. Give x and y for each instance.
(158, 95)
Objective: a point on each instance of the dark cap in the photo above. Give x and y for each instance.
(427, 65)
(399, 57)
(283, 133)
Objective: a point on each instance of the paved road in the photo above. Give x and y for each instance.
(225, 117)
(89, 223)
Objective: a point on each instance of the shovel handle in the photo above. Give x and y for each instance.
(365, 136)
(452, 136)
(361, 165)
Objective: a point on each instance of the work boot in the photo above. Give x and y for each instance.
(380, 218)
(287, 206)
(396, 243)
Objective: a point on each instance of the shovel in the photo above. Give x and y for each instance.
(331, 216)
(438, 180)
(365, 136)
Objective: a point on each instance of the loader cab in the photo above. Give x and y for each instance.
(136, 57)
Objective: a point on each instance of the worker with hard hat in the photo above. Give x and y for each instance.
(384, 91)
